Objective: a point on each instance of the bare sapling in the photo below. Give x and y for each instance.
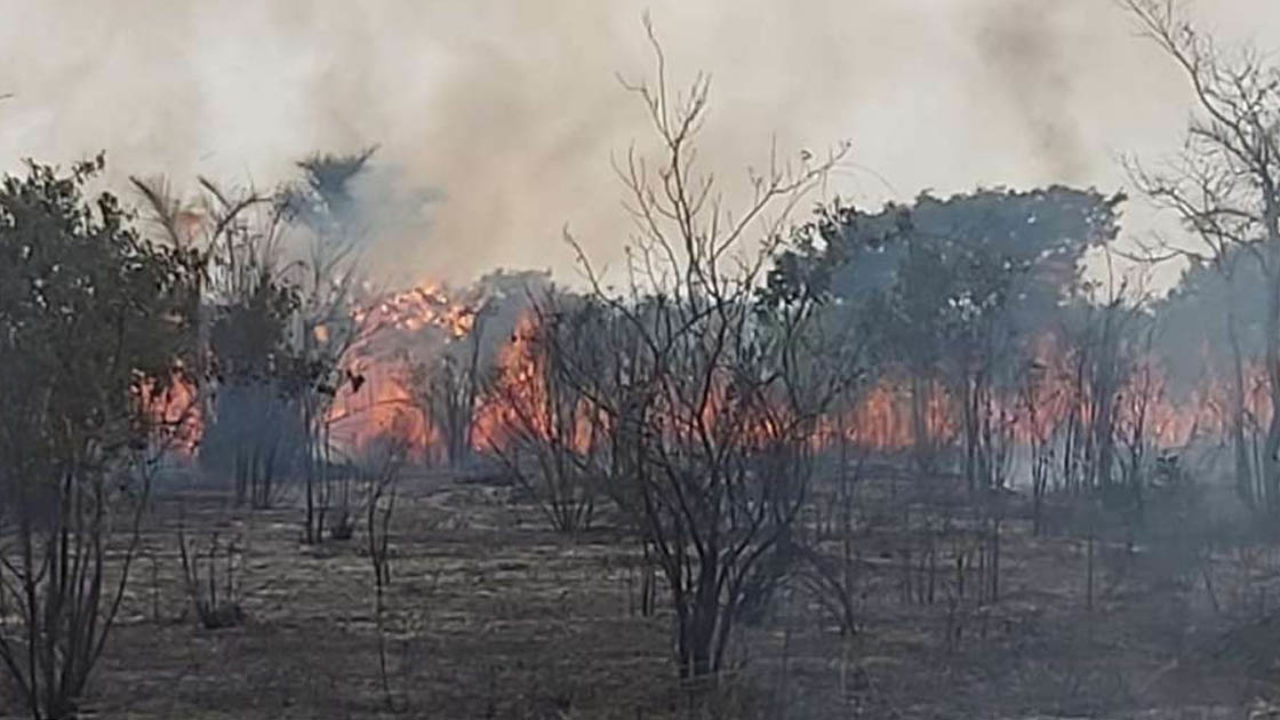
(723, 381)
(381, 476)
(210, 577)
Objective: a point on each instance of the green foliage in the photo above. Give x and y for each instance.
(249, 339)
(323, 201)
(1193, 317)
(87, 310)
(94, 322)
(920, 278)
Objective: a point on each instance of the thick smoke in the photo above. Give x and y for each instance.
(1022, 49)
(496, 118)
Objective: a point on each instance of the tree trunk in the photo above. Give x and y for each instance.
(1270, 461)
(1244, 470)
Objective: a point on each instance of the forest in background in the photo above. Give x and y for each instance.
(922, 430)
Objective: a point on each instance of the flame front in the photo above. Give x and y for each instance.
(405, 329)
(395, 331)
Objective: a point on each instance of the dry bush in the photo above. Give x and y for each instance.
(209, 574)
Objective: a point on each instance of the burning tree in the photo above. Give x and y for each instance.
(955, 293)
(953, 296)
(245, 370)
(253, 430)
(277, 318)
(94, 323)
(1106, 391)
(449, 384)
(448, 389)
(1217, 367)
(328, 324)
(715, 391)
(542, 423)
(461, 387)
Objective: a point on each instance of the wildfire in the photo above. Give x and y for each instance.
(883, 417)
(398, 330)
(520, 401)
(428, 306)
(410, 328)
(382, 406)
(897, 413)
(1051, 398)
(173, 412)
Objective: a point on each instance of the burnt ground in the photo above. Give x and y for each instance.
(491, 615)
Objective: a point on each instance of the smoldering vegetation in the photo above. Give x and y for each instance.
(795, 458)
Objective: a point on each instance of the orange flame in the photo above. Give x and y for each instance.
(173, 412)
(407, 326)
(383, 402)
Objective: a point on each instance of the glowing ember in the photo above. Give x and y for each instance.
(417, 309)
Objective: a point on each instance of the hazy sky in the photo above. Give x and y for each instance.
(511, 108)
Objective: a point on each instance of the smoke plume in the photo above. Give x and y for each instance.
(1021, 48)
(496, 119)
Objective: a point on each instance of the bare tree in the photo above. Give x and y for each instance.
(718, 392)
(1038, 397)
(209, 574)
(547, 431)
(448, 387)
(380, 474)
(832, 579)
(329, 324)
(1226, 189)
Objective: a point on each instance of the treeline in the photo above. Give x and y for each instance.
(721, 402)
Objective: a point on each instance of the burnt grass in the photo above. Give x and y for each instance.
(491, 615)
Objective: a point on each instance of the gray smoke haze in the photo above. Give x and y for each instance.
(496, 118)
(1021, 44)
